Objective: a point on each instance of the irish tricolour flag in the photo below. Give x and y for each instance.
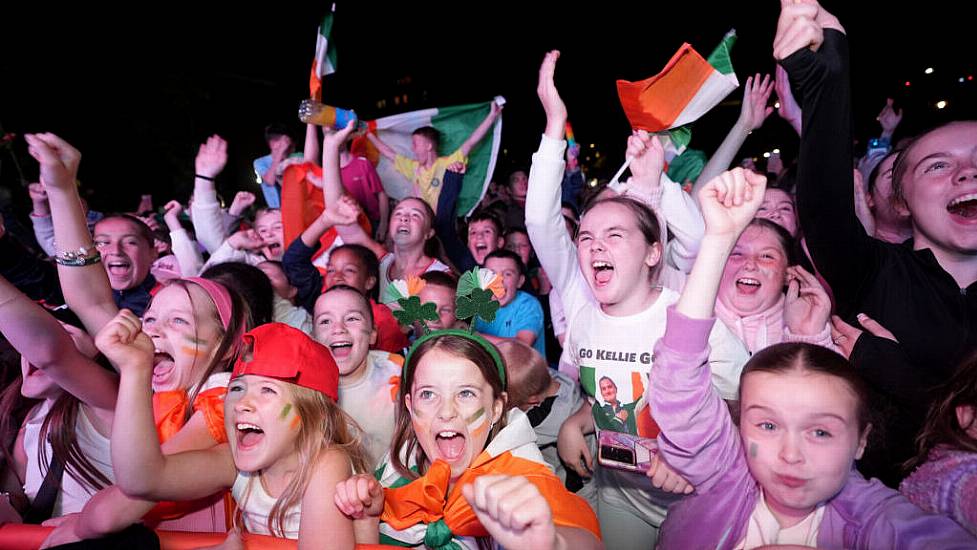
(455, 124)
(687, 88)
(325, 56)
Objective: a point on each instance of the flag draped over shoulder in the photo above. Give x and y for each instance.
(455, 124)
(325, 56)
(687, 88)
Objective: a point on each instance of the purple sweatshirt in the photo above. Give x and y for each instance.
(699, 440)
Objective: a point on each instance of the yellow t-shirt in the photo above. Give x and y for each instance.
(427, 181)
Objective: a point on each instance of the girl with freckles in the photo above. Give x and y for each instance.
(786, 475)
(464, 468)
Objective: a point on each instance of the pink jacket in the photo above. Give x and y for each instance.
(767, 328)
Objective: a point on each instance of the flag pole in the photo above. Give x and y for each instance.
(616, 179)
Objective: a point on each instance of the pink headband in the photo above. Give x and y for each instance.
(219, 294)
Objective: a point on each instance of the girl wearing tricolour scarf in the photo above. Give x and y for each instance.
(466, 469)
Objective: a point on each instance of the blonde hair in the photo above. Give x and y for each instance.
(323, 426)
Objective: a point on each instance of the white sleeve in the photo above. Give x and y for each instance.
(727, 356)
(208, 219)
(187, 255)
(44, 233)
(225, 253)
(547, 230)
(684, 221)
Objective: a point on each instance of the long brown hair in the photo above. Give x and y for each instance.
(323, 427)
(59, 428)
(405, 442)
(942, 426)
(226, 353)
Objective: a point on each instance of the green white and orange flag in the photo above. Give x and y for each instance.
(325, 55)
(455, 123)
(687, 88)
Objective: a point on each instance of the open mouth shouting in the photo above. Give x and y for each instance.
(963, 209)
(603, 272)
(248, 436)
(748, 285)
(163, 366)
(451, 445)
(118, 268)
(341, 349)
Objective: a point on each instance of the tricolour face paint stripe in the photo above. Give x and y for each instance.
(285, 410)
(296, 422)
(478, 423)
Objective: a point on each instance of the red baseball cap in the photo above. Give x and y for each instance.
(279, 351)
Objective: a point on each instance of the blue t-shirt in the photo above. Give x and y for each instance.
(523, 313)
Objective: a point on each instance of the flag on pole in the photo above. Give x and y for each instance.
(325, 55)
(687, 88)
(455, 124)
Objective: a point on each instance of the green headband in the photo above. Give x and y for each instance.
(486, 345)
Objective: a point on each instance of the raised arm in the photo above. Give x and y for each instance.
(494, 112)
(385, 150)
(332, 179)
(187, 255)
(141, 468)
(544, 220)
(698, 437)
(86, 287)
(311, 151)
(812, 47)
(208, 219)
(46, 345)
(753, 113)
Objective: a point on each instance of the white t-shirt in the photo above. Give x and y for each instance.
(94, 446)
(255, 505)
(371, 402)
(598, 345)
(764, 529)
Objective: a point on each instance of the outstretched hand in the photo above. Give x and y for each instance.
(556, 110)
(211, 157)
(756, 94)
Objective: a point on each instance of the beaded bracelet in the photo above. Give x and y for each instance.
(77, 258)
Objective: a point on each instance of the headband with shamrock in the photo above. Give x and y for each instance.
(473, 298)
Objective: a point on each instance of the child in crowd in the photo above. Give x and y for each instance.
(615, 310)
(288, 443)
(367, 379)
(785, 476)
(464, 465)
(520, 316)
(71, 401)
(945, 479)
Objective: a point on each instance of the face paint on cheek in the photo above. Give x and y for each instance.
(478, 423)
(285, 410)
(192, 347)
(753, 449)
(296, 422)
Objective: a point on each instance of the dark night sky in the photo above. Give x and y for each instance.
(137, 91)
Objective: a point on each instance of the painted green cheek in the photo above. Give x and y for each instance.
(285, 410)
(753, 449)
